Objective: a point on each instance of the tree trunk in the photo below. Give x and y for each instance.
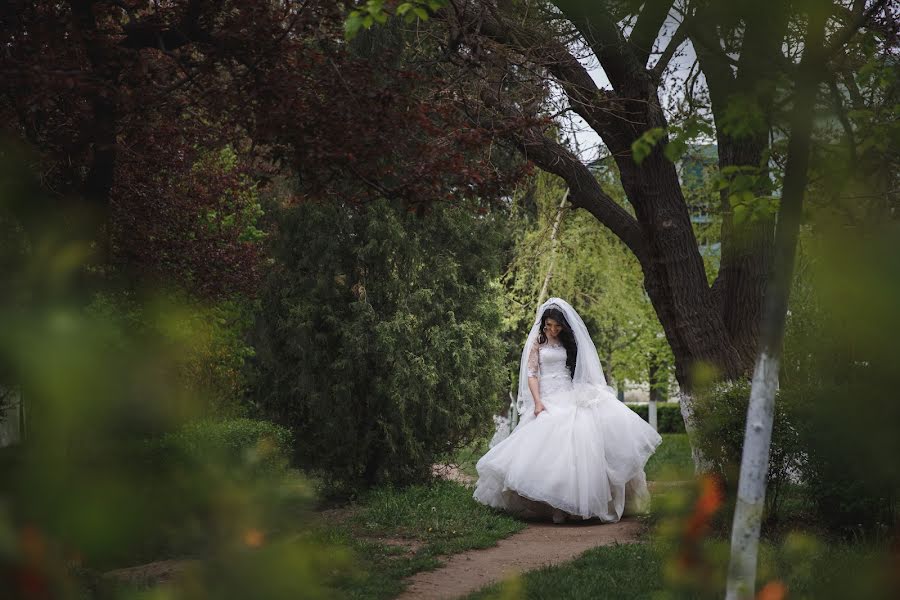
(98, 183)
(752, 485)
(760, 412)
(746, 260)
(653, 379)
(653, 375)
(674, 276)
(686, 406)
(660, 234)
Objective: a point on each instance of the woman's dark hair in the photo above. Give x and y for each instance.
(565, 336)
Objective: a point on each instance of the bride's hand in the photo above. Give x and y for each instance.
(538, 408)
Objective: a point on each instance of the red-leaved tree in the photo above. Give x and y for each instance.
(163, 120)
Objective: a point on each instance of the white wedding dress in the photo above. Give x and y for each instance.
(584, 454)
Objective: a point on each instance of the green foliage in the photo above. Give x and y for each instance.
(742, 186)
(682, 135)
(839, 349)
(668, 416)
(87, 490)
(643, 146)
(213, 362)
(379, 343)
(679, 137)
(367, 14)
(743, 116)
(722, 416)
(672, 460)
(200, 456)
(259, 443)
(593, 270)
(240, 205)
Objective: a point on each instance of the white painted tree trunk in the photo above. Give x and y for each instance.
(651, 414)
(686, 405)
(752, 486)
(761, 409)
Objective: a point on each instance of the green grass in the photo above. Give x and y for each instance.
(672, 460)
(468, 456)
(442, 515)
(436, 519)
(808, 568)
(619, 572)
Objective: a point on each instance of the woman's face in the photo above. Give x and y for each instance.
(552, 327)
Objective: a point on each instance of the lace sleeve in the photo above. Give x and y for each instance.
(533, 361)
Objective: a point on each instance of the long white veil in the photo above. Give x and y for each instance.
(588, 372)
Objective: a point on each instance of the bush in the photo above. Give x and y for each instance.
(242, 460)
(379, 342)
(816, 443)
(722, 416)
(668, 416)
(840, 378)
(850, 491)
(231, 442)
(212, 350)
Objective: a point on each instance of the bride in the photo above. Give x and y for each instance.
(577, 450)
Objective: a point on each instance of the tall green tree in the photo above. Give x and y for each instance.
(379, 340)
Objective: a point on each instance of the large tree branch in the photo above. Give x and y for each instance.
(675, 42)
(624, 68)
(713, 62)
(599, 108)
(842, 36)
(584, 189)
(603, 110)
(841, 112)
(649, 22)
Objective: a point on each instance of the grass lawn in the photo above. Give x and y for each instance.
(807, 568)
(672, 460)
(396, 532)
(468, 456)
(615, 572)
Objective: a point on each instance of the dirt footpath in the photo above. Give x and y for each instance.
(538, 545)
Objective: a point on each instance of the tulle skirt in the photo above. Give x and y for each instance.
(584, 454)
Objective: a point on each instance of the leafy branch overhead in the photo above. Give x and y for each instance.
(746, 60)
(379, 11)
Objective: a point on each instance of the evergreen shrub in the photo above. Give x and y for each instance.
(721, 415)
(229, 441)
(378, 343)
